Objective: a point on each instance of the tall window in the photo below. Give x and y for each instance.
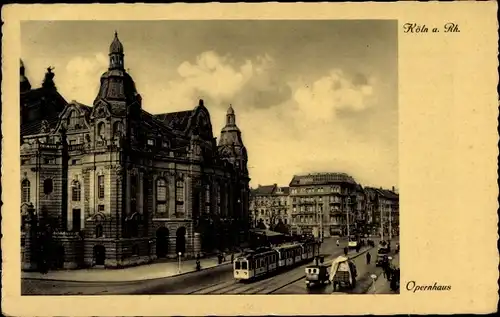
(133, 193)
(75, 191)
(179, 197)
(100, 186)
(100, 129)
(25, 191)
(117, 129)
(161, 196)
(207, 198)
(218, 198)
(98, 231)
(48, 186)
(73, 118)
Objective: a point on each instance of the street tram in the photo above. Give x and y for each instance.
(266, 261)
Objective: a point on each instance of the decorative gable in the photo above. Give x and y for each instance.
(200, 123)
(100, 110)
(73, 117)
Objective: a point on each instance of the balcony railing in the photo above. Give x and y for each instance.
(76, 147)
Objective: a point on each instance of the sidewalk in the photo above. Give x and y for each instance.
(137, 273)
(382, 285)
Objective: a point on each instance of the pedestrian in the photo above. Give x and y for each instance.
(368, 258)
(346, 250)
(338, 242)
(232, 257)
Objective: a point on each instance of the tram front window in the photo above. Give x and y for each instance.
(244, 266)
(237, 265)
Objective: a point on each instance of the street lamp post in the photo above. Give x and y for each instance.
(390, 224)
(180, 253)
(347, 212)
(381, 223)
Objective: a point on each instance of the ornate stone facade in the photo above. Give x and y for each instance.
(114, 185)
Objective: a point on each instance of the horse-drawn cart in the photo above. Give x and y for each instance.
(343, 273)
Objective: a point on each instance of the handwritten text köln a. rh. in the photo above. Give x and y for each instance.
(422, 28)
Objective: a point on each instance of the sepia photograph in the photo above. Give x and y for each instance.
(145, 169)
(249, 159)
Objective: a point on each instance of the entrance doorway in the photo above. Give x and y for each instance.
(162, 242)
(99, 254)
(180, 241)
(77, 214)
(59, 263)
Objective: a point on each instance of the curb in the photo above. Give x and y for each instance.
(124, 281)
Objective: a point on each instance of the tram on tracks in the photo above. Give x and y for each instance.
(266, 261)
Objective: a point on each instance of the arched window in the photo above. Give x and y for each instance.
(117, 129)
(74, 119)
(161, 196)
(48, 186)
(179, 197)
(98, 231)
(100, 186)
(101, 129)
(25, 191)
(76, 191)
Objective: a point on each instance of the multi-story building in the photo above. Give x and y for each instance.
(269, 204)
(323, 204)
(114, 185)
(382, 211)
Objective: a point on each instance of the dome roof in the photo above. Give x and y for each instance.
(116, 46)
(117, 85)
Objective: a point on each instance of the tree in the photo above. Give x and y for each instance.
(261, 225)
(281, 227)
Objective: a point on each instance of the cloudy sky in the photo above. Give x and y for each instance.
(309, 96)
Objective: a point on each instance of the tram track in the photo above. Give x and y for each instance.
(328, 261)
(363, 281)
(268, 285)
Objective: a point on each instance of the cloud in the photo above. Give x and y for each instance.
(288, 128)
(221, 80)
(81, 77)
(329, 94)
(305, 135)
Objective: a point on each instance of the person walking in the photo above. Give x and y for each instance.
(338, 243)
(368, 258)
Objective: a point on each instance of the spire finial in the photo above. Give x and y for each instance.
(230, 110)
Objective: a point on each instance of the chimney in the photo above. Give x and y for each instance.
(393, 189)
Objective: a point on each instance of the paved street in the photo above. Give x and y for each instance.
(215, 280)
(99, 281)
(381, 285)
(363, 282)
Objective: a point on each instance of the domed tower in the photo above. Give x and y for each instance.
(23, 82)
(231, 147)
(117, 87)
